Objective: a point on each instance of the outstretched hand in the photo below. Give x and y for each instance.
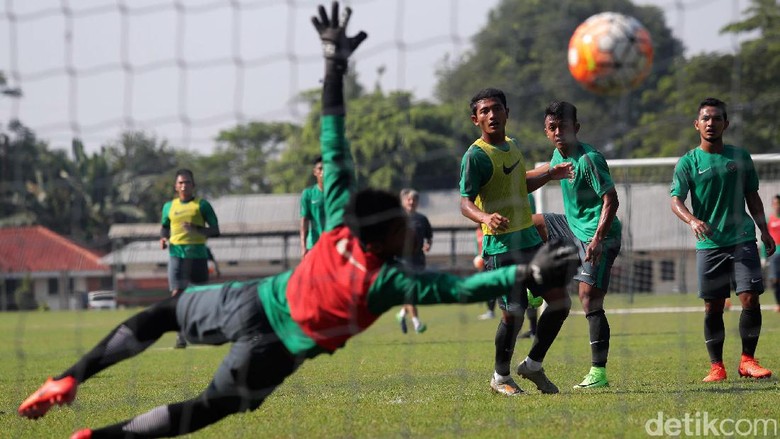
(554, 264)
(336, 45)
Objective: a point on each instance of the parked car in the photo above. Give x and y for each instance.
(103, 299)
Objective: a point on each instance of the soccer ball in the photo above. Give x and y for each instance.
(479, 263)
(610, 53)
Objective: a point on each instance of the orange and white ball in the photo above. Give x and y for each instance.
(610, 53)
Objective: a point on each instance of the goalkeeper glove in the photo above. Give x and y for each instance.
(336, 45)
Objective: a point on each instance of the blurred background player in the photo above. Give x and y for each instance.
(420, 241)
(312, 210)
(494, 189)
(773, 224)
(721, 180)
(187, 222)
(274, 324)
(590, 224)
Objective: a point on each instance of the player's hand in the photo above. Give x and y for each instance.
(700, 229)
(769, 244)
(553, 266)
(562, 171)
(496, 222)
(336, 45)
(593, 251)
(163, 243)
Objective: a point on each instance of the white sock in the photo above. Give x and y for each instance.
(402, 313)
(532, 365)
(416, 322)
(500, 378)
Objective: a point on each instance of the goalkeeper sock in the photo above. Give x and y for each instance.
(128, 339)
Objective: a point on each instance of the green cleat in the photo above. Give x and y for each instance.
(597, 377)
(533, 301)
(420, 329)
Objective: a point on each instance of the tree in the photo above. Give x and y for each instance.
(395, 141)
(745, 80)
(523, 51)
(248, 149)
(142, 169)
(30, 181)
(758, 86)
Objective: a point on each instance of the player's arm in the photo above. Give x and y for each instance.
(303, 229)
(337, 164)
(678, 192)
(755, 205)
(472, 177)
(596, 173)
(541, 175)
(495, 221)
(553, 266)
(609, 208)
(210, 217)
(756, 208)
(428, 235)
(165, 227)
(210, 257)
(700, 228)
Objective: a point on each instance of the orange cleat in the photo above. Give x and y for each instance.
(717, 373)
(50, 393)
(82, 434)
(749, 367)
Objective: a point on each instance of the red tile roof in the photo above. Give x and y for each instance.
(36, 248)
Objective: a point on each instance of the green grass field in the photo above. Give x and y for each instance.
(387, 384)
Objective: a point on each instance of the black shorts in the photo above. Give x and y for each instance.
(595, 275)
(517, 301)
(185, 271)
(735, 267)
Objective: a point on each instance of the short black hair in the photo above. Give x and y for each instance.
(317, 160)
(713, 102)
(561, 110)
(487, 93)
(185, 173)
(370, 212)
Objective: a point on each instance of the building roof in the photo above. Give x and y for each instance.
(38, 249)
(274, 214)
(272, 250)
(648, 222)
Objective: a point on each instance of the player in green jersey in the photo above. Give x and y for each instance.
(590, 224)
(187, 222)
(494, 188)
(721, 180)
